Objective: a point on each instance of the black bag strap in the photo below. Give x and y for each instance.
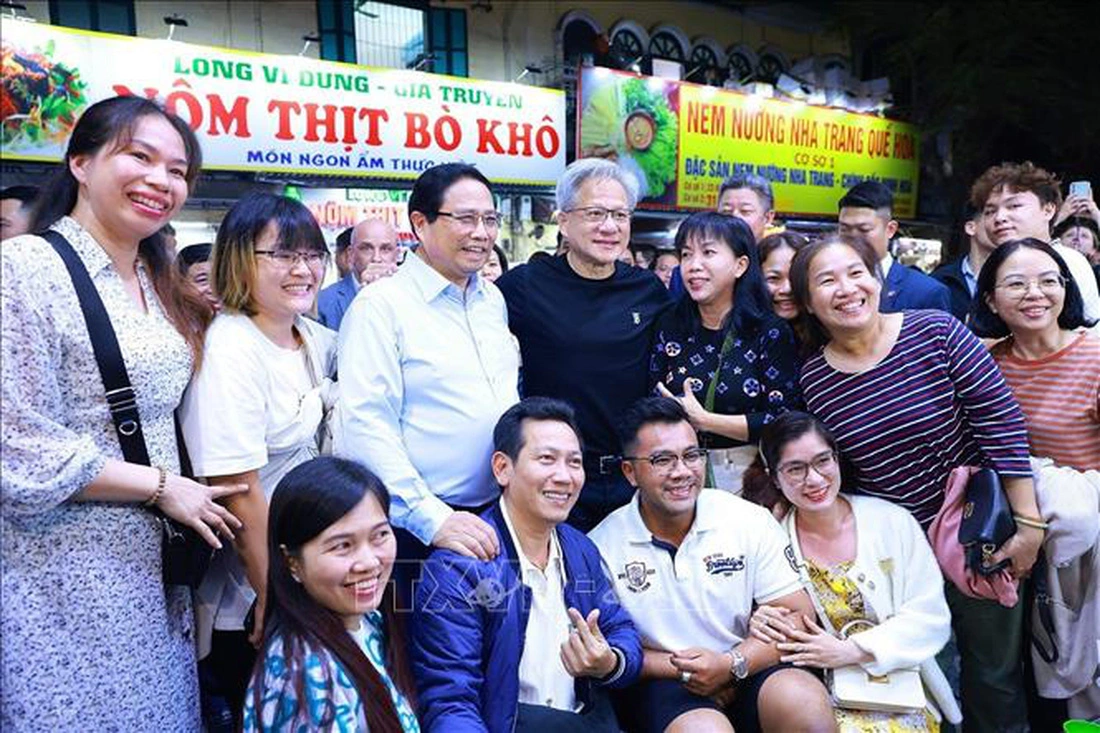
(1041, 592)
(121, 400)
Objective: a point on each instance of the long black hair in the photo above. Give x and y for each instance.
(111, 123)
(988, 324)
(752, 307)
(309, 499)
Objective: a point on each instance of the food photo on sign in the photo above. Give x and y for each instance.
(633, 120)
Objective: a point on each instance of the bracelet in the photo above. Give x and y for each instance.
(1031, 522)
(162, 480)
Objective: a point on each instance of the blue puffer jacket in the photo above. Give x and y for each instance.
(470, 624)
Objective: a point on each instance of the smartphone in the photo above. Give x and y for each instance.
(1081, 188)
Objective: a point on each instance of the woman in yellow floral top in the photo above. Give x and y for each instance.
(884, 575)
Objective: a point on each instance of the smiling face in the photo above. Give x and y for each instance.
(745, 204)
(281, 293)
(1010, 214)
(844, 293)
(807, 473)
(130, 190)
(777, 270)
(600, 243)
(670, 494)
(544, 481)
(1035, 310)
(346, 567)
(451, 248)
(710, 269)
(492, 269)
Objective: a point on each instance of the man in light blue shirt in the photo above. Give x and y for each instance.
(427, 367)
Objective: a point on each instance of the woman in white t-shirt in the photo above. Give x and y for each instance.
(254, 410)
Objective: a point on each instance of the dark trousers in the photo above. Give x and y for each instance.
(224, 676)
(597, 717)
(990, 638)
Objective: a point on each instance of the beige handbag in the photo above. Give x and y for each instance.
(854, 687)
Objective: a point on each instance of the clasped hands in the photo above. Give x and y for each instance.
(814, 647)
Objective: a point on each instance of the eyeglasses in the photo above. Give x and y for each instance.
(469, 220)
(798, 471)
(598, 215)
(285, 259)
(1050, 283)
(665, 462)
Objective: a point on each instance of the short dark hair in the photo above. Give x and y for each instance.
(646, 411)
(987, 324)
(429, 189)
(1073, 222)
(868, 195)
(192, 254)
(815, 333)
(757, 184)
(1024, 176)
(343, 239)
(502, 257)
(508, 433)
(25, 194)
(772, 242)
(752, 305)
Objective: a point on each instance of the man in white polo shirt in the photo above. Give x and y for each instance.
(688, 565)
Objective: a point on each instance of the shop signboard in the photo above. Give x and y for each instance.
(280, 114)
(683, 139)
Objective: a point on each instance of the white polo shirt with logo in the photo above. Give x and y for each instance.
(702, 593)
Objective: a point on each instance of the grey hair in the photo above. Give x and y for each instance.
(594, 169)
(757, 184)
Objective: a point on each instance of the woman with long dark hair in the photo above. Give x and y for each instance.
(867, 566)
(333, 650)
(910, 397)
(92, 638)
(733, 361)
(255, 409)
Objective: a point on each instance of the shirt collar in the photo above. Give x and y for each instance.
(91, 253)
(638, 533)
(431, 284)
(886, 263)
(554, 559)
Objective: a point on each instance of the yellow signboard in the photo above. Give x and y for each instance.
(811, 155)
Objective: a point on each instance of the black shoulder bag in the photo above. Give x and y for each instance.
(184, 554)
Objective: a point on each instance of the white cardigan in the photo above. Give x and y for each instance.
(902, 585)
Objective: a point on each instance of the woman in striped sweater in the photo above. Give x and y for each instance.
(1052, 364)
(911, 396)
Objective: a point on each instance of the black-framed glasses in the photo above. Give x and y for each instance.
(1016, 286)
(287, 258)
(598, 214)
(468, 219)
(799, 471)
(664, 462)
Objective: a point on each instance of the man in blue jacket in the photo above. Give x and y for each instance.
(531, 639)
(866, 212)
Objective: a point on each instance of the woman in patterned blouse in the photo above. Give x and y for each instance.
(721, 347)
(334, 652)
(92, 638)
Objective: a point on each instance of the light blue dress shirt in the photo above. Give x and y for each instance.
(425, 372)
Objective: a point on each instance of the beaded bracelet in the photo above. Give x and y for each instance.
(162, 480)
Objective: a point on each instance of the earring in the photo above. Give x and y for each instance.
(295, 576)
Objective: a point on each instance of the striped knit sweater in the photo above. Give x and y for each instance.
(1060, 397)
(935, 402)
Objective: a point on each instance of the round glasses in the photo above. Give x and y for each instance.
(1050, 283)
(798, 472)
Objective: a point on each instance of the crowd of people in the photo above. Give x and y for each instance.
(707, 493)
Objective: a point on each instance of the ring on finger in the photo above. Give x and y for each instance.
(685, 677)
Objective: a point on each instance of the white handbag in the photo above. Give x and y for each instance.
(900, 691)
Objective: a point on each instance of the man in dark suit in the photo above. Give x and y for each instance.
(866, 211)
(372, 252)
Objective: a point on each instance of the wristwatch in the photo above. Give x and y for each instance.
(739, 666)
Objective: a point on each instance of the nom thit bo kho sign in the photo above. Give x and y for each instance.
(280, 114)
(682, 139)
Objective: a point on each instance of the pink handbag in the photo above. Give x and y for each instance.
(943, 534)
